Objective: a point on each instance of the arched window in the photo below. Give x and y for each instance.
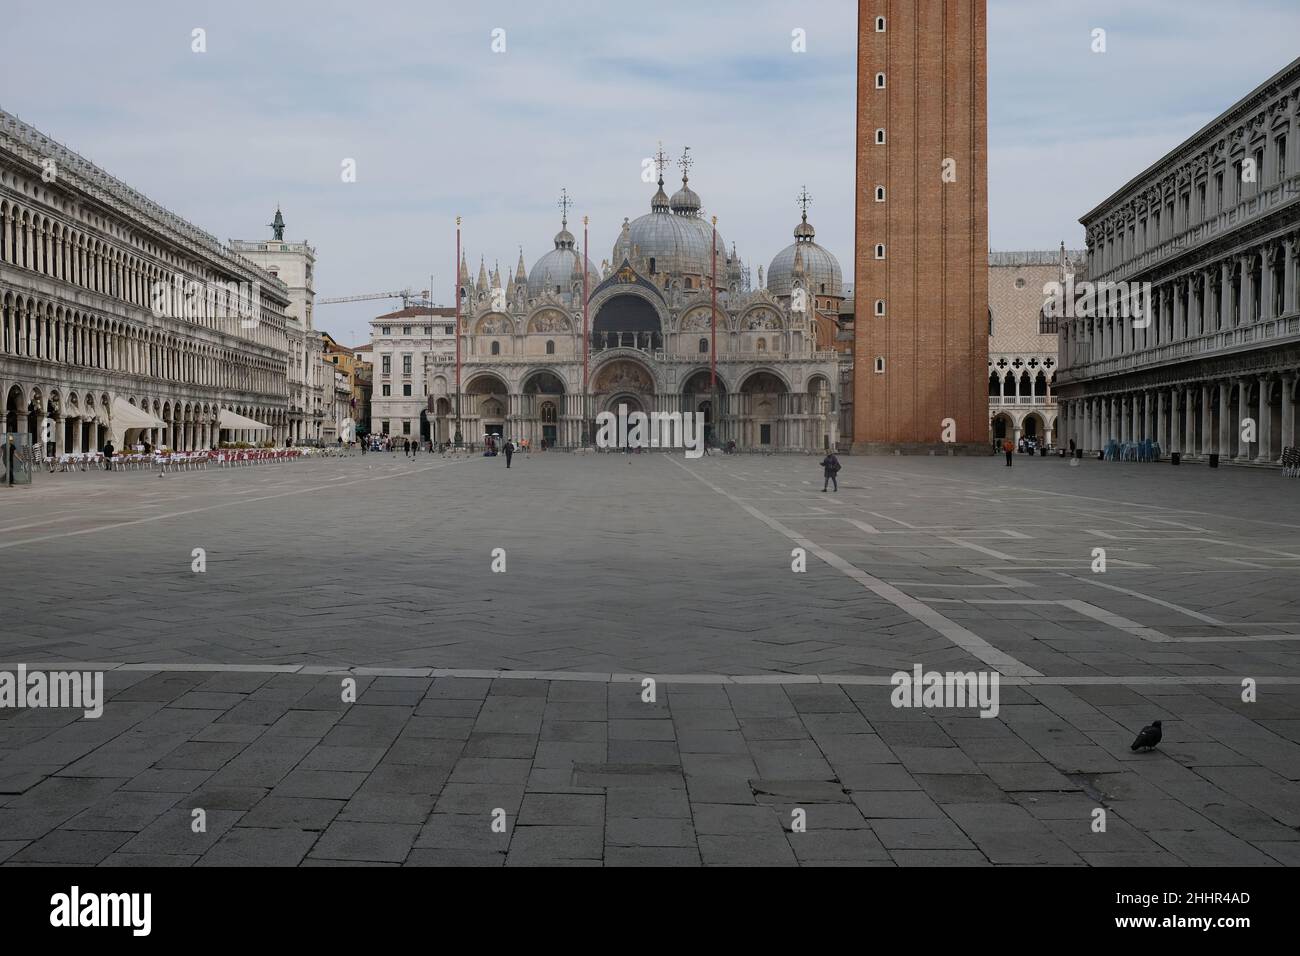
(880, 194)
(880, 250)
(704, 345)
(880, 364)
(496, 348)
(880, 24)
(652, 265)
(880, 81)
(550, 348)
(880, 307)
(880, 137)
(762, 344)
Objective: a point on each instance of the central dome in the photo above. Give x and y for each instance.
(672, 238)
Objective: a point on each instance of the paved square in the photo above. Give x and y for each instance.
(517, 697)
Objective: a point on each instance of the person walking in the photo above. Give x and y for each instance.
(1009, 447)
(108, 455)
(830, 469)
(509, 449)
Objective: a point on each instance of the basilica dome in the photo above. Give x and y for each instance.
(557, 267)
(821, 270)
(672, 237)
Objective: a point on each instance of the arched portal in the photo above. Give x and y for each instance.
(486, 407)
(626, 321)
(764, 398)
(543, 402)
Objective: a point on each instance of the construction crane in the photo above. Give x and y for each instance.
(407, 296)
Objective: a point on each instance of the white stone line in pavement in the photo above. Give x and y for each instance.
(1001, 556)
(1006, 579)
(1118, 621)
(1147, 597)
(225, 504)
(603, 677)
(968, 640)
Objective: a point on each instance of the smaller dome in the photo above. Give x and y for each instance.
(686, 201)
(805, 230)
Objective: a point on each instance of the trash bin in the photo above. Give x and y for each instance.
(1214, 459)
(1175, 458)
(1042, 452)
(1078, 453)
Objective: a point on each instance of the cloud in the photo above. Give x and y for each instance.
(440, 126)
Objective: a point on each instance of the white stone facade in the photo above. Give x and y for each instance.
(1214, 228)
(406, 347)
(309, 399)
(527, 372)
(106, 296)
(1023, 342)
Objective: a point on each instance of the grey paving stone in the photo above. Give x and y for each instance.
(746, 850)
(245, 846)
(377, 842)
(562, 809)
(551, 843)
(172, 834)
(651, 856)
(325, 784)
(292, 813)
(644, 831)
(922, 834)
(896, 804)
(85, 847)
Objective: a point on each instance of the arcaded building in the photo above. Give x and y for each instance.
(120, 319)
(1210, 233)
(920, 279)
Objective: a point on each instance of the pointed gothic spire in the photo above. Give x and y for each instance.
(481, 285)
(521, 275)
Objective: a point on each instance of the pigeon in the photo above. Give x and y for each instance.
(1148, 738)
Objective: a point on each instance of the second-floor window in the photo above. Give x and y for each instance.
(387, 361)
(406, 365)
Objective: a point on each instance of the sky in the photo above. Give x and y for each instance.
(439, 124)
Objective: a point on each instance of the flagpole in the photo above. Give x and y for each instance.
(713, 284)
(585, 334)
(713, 330)
(456, 273)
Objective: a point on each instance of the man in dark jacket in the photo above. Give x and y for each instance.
(108, 455)
(509, 448)
(830, 468)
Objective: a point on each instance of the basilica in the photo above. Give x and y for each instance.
(762, 369)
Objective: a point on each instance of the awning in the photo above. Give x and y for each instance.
(234, 420)
(126, 416)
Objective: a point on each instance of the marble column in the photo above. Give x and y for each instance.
(1288, 410)
(1264, 424)
(1189, 430)
(1224, 446)
(1243, 412)
(1207, 419)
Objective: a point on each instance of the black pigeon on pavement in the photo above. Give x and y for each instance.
(1148, 738)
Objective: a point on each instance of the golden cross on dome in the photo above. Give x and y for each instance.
(564, 204)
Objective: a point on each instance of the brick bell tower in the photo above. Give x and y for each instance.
(921, 258)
